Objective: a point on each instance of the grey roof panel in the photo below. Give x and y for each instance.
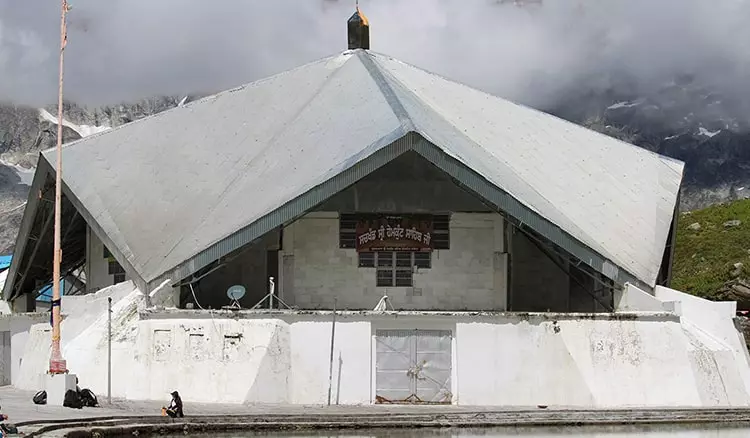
(616, 198)
(336, 129)
(168, 188)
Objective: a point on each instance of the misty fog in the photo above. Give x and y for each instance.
(123, 50)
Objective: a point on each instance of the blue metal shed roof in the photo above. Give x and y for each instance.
(5, 261)
(45, 293)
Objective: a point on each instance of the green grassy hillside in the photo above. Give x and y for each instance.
(706, 254)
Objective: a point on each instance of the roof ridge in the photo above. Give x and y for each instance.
(461, 84)
(239, 173)
(437, 113)
(407, 124)
(202, 99)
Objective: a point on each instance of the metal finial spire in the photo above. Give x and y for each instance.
(358, 30)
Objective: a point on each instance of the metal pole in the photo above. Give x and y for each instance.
(109, 350)
(330, 368)
(270, 295)
(57, 364)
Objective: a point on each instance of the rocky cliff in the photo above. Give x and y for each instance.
(709, 131)
(25, 131)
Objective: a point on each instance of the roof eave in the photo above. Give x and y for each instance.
(96, 228)
(393, 145)
(495, 196)
(29, 214)
(502, 201)
(44, 169)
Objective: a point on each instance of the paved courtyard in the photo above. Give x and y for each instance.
(133, 417)
(19, 407)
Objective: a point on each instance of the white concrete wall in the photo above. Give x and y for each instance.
(502, 359)
(607, 363)
(309, 370)
(83, 335)
(97, 267)
(19, 325)
(320, 270)
(80, 311)
(224, 360)
(472, 274)
(210, 359)
(714, 321)
(632, 299)
(466, 276)
(4, 305)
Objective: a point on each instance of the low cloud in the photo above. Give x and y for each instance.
(123, 50)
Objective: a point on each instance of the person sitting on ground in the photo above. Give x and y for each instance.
(6, 428)
(175, 406)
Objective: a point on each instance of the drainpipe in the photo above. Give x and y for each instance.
(109, 350)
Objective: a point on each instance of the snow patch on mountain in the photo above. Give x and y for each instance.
(82, 130)
(705, 132)
(624, 104)
(25, 175)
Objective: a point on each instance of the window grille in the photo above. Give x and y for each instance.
(395, 268)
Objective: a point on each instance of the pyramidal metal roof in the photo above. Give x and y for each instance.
(172, 192)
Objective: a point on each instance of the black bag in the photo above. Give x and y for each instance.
(9, 429)
(88, 398)
(72, 400)
(40, 398)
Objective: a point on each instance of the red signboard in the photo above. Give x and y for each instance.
(394, 233)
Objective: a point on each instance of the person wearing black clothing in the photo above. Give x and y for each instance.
(175, 406)
(6, 428)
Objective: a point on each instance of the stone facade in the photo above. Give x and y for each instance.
(471, 275)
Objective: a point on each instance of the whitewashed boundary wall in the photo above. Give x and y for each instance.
(502, 359)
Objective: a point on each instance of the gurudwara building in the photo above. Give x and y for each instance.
(441, 244)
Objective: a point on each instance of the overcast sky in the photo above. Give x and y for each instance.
(122, 50)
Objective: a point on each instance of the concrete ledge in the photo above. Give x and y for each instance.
(151, 314)
(366, 418)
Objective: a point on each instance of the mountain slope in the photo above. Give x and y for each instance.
(712, 254)
(708, 131)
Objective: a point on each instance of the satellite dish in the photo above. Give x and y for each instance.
(236, 292)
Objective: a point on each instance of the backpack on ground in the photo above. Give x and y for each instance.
(9, 429)
(72, 400)
(88, 398)
(40, 398)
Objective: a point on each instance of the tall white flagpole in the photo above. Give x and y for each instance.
(57, 364)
